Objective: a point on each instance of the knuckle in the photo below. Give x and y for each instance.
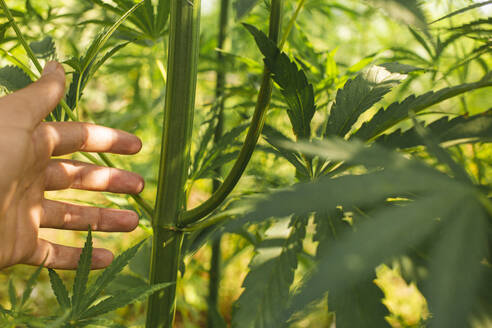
(44, 138)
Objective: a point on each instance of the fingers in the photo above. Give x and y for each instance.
(65, 257)
(69, 137)
(64, 174)
(58, 215)
(29, 106)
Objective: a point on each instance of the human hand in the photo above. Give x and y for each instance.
(27, 170)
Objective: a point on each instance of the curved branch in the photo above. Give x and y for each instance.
(252, 137)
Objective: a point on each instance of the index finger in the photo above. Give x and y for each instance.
(29, 106)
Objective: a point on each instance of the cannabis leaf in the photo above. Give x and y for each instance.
(83, 306)
(357, 96)
(44, 49)
(297, 92)
(271, 274)
(460, 129)
(398, 111)
(13, 78)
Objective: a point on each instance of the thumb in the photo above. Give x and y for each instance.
(29, 106)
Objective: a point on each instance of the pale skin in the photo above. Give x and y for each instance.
(27, 170)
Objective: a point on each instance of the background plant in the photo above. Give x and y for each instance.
(450, 56)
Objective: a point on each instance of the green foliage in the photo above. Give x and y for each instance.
(475, 128)
(271, 275)
(351, 260)
(83, 306)
(13, 78)
(86, 66)
(407, 11)
(44, 49)
(297, 92)
(275, 138)
(461, 244)
(359, 306)
(82, 274)
(209, 157)
(59, 290)
(463, 10)
(243, 7)
(149, 21)
(30, 286)
(121, 299)
(357, 96)
(20, 312)
(111, 272)
(398, 111)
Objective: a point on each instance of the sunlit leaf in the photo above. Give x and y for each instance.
(407, 11)
(463, 10)
(357, 96)
(398, 111)
(461, 129)
(400, 68)
(422, 41)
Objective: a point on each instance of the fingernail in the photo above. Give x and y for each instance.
(50, 67)
(140, 186)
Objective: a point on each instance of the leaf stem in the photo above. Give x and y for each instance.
(200, 225)
(291, 24)
(19, 63)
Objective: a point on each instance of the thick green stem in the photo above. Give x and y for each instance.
(175, 148)
(215, 263)
(252, 137)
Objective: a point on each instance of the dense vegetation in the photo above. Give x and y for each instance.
(320, 162)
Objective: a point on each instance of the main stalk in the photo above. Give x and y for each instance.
(176, 141)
